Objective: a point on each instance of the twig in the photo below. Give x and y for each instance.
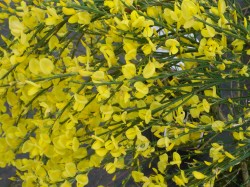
(245, 174)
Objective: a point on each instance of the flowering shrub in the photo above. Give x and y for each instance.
(115, 84)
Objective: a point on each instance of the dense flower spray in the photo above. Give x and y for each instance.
(124, 85)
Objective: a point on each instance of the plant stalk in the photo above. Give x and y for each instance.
(245, 174)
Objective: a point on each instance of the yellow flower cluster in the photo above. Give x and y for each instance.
(110, 84)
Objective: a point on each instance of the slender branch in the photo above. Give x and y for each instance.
(245, 174)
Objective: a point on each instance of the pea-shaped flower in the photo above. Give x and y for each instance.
(141, 88)
(16, 26)
(172, 45)
(198, 175)
(82, 180)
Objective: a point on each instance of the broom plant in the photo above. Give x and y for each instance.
(157, 90)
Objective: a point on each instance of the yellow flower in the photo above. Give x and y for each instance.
(106, 112)
(95, 160)
(141, 88)
(206, 119)
(154, 11)
(207, 163)
(218, 126)
(147, 32)
(55, 175)
(137, 21)
(73, 19)
(198, 175)
(239, 135)
(16, 27)
(66, 184)
(162, 164)
(248, 51)
(148, 116)
(216, 152)
(70, 169)
(82, 180)
(137, 176)
(46, 66)
(109, 54)
(104, 92)
(83, 165)
(53, 42)
(80, 102)
(53, 17)
(68, 11)
(193, 100)
(83, 18)
(98, 76)
(210, 47)
(210, 183)
(163, 142)
(131, 133)
(172, 45)
(229, 155)
(122, 25)
(130, 47)
(211, 93)
(180, 180)
(221, 66)
(149, 70)
(243, 71)
(142, 143)
(129, 70)
(221, 7)
(180, 115)
(209, 31)
(189, 9)
(148, 48)
(111, 167)
(98, 143)
(75, 144)
(98, 146)
(34, 66)
(206, 105)
(195, 111)
(176, 159)
(238, 45)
